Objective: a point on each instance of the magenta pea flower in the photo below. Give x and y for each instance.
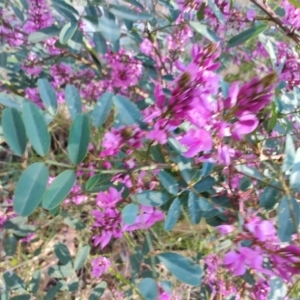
(148, 216)
(109, 198)
(100, 265)
(226, 229)
(157, 134)
(238, 262)
(224, 154)
(245, 125)
(108, 223)
(262, 230)
(146, 46)
(197, 140)
(251, 14)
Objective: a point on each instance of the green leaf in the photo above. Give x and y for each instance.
(73, 285)
(207, 167)
(109, 29)
(21, 297)
(152, 198)
(30, 189)
(129, 213)
(34, 284)
(136, 4)
(14, 130)
(181, 267)
(205, 184)
(79, 138)
(173, 215)
(3, 59)
(92, 52)
(168, 182)
(10, 245)
(65, 9)
(98, 291)
(17, 12)
(67, 32)
(246, 35)
(207, 209)
(249, 172)
(81, 257)
(36, 128)
(288, 218)
(14, 282)
(12, 101)
(4, 296)
(184, 166)
(55, 211)
(43, 34)
(129, 14)
(15, 222)
(272, 122)
(295, 3)
(73, 100)
(59, 189)
(295, 176)
(76, 42)
(271, 51)
(270, 196)
(61, 271)
(278, 289)
(200, 13)
(148, 289)
(62, 253)
(66, 6)
(100, 42)
(205, 31)
(51, 293)
(94, 181)
(48, 95)
(128, 111)
(74, 223)
(216, 11)
(289, 153)
(194, 208)
(18, 226)
(102, 109)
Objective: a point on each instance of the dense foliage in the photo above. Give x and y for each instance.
(149, 149)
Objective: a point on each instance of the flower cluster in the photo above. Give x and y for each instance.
(108, 221)
(39, 16)
(289, 63)
(292, 15)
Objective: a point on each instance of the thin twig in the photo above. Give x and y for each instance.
(268, 10)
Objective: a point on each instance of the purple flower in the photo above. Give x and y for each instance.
(108, 222)
(262, 230)
(251, 97)
(226, 229)
(148, 216)
(146, 46)
(157, 134)
(246, 257)
(109, 198)
(224, 154)
(245, 125)
(39, 16)
(100, 265)
(197, 140)
(251, 14)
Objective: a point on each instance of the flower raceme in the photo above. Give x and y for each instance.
(108, 221)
